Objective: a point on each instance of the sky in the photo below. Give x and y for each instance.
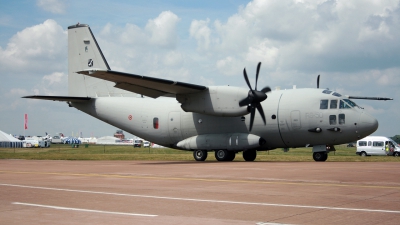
(354, 46)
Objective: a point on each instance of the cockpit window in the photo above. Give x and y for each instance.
(323, 104)
(343, 105)
(351, 103)
(333, 104)
(336, 94)
(326, 91)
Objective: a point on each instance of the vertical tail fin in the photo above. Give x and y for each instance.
(85, 53)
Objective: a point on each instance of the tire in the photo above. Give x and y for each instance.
(249, 155)
(320, 156)
(363, 154)
(200, 155)
(396, 154)
(221, 155)
(231, 156)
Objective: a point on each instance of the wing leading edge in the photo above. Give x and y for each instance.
(148, 86)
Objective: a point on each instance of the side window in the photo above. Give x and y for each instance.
(362, 143)
(332, 119)
(323, 104)
(342, 119)
(333, 104)
(377, 144)
(343, 105)
(155, 122)
(369, 143)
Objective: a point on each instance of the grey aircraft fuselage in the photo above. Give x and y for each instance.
(289, 119)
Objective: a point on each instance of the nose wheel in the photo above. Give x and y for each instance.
(320, 156)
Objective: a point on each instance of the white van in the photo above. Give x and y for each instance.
(375, 145)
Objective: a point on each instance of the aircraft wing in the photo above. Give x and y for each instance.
(148, 86)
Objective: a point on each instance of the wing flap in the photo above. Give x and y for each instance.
(149, 86)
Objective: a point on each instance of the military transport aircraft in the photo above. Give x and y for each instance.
(222, 119)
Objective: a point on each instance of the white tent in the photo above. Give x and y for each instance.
(8, 141)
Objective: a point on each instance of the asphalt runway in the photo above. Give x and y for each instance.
(189, 192)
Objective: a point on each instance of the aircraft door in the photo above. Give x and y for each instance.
(295, 117)
(174, 126)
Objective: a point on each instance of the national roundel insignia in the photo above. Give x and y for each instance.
(130, 117)
(90, 63)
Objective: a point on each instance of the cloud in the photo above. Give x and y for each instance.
(35, 48)
(53, 6)
(53, 78)
(201, 32)
(162, 30)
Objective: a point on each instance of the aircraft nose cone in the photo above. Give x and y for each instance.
(368, 124)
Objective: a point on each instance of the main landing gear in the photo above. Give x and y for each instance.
(224, 155)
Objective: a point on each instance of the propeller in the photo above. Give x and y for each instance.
(318, 81)
(254, 98)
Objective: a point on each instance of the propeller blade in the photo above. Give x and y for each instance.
(246, 78)
(245, 101)
(318, 81)
(258, 71)
(253, 111)
(266, 89)
(261, 111)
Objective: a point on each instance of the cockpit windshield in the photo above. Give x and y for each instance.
(351, 103)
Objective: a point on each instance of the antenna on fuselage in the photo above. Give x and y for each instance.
(318, 81)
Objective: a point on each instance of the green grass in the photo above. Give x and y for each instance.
(108, 152)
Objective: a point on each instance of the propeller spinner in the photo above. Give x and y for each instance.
(254, 98)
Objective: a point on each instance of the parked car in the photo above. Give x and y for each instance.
(137, 143)
(146, 144)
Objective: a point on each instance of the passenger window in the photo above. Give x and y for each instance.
(378, 143)
(343, 105)
(323, 104)
(333, 104)
(362, 143)
(369, 143)
(332, 119)
(155, 123)
(341, 118)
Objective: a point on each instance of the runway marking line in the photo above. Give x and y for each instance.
(201, 179)
(207, 200)
(82, 210)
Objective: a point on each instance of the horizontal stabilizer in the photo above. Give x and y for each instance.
(148, 86)
(59, 98)
(370, 98)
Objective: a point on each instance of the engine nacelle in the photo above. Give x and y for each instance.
(230, 141)
(216, 101)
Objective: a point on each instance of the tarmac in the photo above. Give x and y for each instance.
(190, 192)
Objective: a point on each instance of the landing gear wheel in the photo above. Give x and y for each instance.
(396, 154)
(224, 155)
(320, 156)
(231, 156)
(200, 155)
(249, 155)
(363, 154)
